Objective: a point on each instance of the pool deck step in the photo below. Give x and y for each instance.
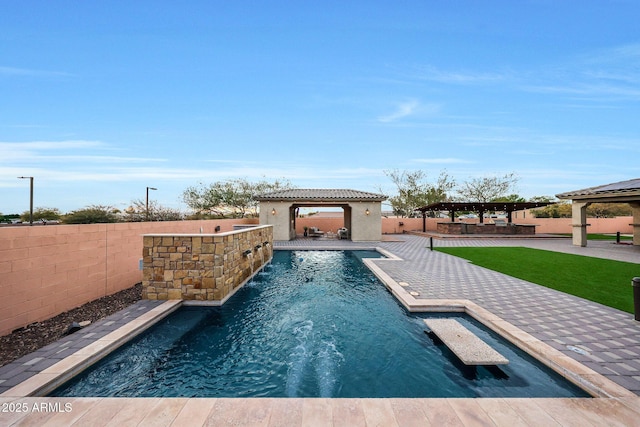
(470, 349)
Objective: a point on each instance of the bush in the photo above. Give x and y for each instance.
(92, 215)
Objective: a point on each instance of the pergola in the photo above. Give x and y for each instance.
(362, 210)
(617, 192)
(480, 207)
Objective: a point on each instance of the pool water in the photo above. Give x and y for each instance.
(312, 324)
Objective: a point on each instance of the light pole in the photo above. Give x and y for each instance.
(30, 197)
(147, 207)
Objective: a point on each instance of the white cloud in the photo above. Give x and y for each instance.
(441, 161)
(601, 75)
(457, 77)
(28, 72)
(74, 152)
(404, 109)
(51, 145)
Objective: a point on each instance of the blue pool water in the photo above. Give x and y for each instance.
(313, 323)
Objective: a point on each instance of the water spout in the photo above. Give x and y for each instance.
(250, 257)
(261, 252)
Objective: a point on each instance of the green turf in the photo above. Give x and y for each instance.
(591, 236)
(600, 280)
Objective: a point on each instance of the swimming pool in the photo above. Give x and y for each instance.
(313, 323)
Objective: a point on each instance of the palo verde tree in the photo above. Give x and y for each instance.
(608, 210)
(42, 213)
(414, 191)
(91, 215)
(137, 211)
(233, 198)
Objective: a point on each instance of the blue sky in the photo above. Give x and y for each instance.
(102, 99)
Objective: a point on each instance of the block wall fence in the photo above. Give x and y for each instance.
(543, 225)
(47, 270)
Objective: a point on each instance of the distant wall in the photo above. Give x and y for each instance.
(563, 225)
(389, 225)
(47, 270)
(543, 225)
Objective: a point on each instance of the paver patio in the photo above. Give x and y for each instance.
(604, 339)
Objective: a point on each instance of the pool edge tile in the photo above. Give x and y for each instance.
(53, 376)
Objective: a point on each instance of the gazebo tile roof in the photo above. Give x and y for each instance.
(622, 187)
(318, 194)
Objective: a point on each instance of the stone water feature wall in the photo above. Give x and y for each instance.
(203, 267)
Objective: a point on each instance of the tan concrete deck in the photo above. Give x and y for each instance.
(470, 349)
(319, 412)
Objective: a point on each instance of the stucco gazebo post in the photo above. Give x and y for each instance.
(635, 211)
(579, 223)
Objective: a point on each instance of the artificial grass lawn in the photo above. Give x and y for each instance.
(600, 236)
(604, 281)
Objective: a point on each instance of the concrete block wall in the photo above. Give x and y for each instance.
(47, 270)
(200, 267)
(394, 225)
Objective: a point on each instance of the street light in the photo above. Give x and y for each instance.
(30, 197)
(147, 208)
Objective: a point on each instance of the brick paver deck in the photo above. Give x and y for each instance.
(605, 339)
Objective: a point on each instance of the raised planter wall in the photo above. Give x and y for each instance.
(200, 267)
(472, 228)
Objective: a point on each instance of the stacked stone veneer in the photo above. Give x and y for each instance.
(464, 228)
(203, 267)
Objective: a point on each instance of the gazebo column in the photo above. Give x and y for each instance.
(635, 211)
(579, 223)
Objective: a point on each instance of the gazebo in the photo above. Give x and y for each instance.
(481, 207)
(362, 210)
(617, 192)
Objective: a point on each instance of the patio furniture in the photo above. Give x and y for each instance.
(315, 232)
(343, 233)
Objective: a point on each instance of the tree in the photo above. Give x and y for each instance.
(233, 198)
(92, 214)
(137, 212)
(414, 191)
(42, 213)
(543, 199)
(9, 218)
(608, 210)
(556, 210)
(594, 210)
(487, 189)
(511, 198)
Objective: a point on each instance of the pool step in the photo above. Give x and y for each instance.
(470, 349)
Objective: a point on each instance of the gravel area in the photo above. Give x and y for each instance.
(39, 334)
